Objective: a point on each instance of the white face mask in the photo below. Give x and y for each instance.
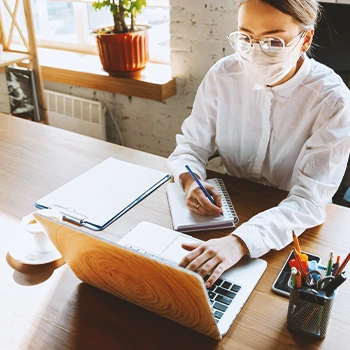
(267, 70)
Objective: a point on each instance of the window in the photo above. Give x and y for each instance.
(68, 25)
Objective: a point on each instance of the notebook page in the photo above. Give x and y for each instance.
(184, 220)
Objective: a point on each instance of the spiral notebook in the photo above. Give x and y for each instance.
(186, 221)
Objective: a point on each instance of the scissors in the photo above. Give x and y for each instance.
(315, 280)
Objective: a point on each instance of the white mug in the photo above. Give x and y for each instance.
(42, 242)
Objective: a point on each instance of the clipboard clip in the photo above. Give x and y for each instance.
(70, 214)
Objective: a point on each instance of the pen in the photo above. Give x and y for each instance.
(342, 266)
(207, 194)
(293, 275)
(335, 266)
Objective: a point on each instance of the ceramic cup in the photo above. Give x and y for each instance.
(41, 240)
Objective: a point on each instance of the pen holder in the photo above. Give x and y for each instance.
(309, 311)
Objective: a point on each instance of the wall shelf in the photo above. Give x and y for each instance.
(9, 57)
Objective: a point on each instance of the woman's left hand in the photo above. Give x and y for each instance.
(213, 257)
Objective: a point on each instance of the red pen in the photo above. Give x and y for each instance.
(335, 265)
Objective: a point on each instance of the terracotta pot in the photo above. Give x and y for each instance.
(123, 53)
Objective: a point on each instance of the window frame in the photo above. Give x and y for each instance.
(85, 43)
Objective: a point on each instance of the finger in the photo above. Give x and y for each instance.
(217, 199)
(194, 202)
(187, 259)
(190, 246)
(215, 194)
(218, 271)
(197, 262)
(207, 209)
(208, 268)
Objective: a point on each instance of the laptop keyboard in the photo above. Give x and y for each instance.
(221, 293)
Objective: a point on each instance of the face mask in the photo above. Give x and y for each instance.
(266, 70)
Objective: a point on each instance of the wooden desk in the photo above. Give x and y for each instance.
(46, 307)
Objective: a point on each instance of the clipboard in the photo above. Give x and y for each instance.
(104, 193)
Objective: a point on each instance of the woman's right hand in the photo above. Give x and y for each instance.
(196, 200)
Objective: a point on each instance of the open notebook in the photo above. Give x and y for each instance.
(104, 193)
(186, 221)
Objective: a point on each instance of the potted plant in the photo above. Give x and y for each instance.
(123, 48)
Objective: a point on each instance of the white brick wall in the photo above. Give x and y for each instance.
(198, 39)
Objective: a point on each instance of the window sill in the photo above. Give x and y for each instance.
(154, 82)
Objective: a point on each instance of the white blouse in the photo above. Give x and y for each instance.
(295, 136)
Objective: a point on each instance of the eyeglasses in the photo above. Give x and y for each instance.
(270, 45)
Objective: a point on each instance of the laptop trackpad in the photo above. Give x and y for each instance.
(174, 252)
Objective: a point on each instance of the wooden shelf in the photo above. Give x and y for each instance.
(9, 57)
(154, 82)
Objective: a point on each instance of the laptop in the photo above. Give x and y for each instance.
(143, 269)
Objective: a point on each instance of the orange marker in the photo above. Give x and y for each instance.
(301, 267)
(305, 260)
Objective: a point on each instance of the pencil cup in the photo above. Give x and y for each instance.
(309, 311)
(41, 240)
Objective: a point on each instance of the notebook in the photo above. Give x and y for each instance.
(143, 269)
(104, 193)
(186, 221)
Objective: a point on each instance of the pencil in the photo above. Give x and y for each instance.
(296, 243)
(342, 266)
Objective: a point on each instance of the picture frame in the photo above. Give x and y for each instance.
(22, 92)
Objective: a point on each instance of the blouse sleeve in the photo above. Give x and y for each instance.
(197, 141)
(320, 169)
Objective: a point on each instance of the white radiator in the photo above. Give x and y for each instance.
(76, 114)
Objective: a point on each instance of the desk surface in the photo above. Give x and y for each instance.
(47, 307)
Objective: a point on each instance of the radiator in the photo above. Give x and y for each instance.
(76, 114)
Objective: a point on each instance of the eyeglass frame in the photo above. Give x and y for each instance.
(260, 41)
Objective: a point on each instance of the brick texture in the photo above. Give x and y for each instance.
(198, 39)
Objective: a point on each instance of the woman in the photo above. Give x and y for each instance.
(276, 117)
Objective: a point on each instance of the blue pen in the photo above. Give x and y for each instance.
(208, 195)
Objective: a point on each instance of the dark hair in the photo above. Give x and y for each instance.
(305, 12)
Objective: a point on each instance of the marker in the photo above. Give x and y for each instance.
(293, 276)
(304, 259)
(329, 265)
(313, 265)
(207, 194)
(293, 263)
(301, 266)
